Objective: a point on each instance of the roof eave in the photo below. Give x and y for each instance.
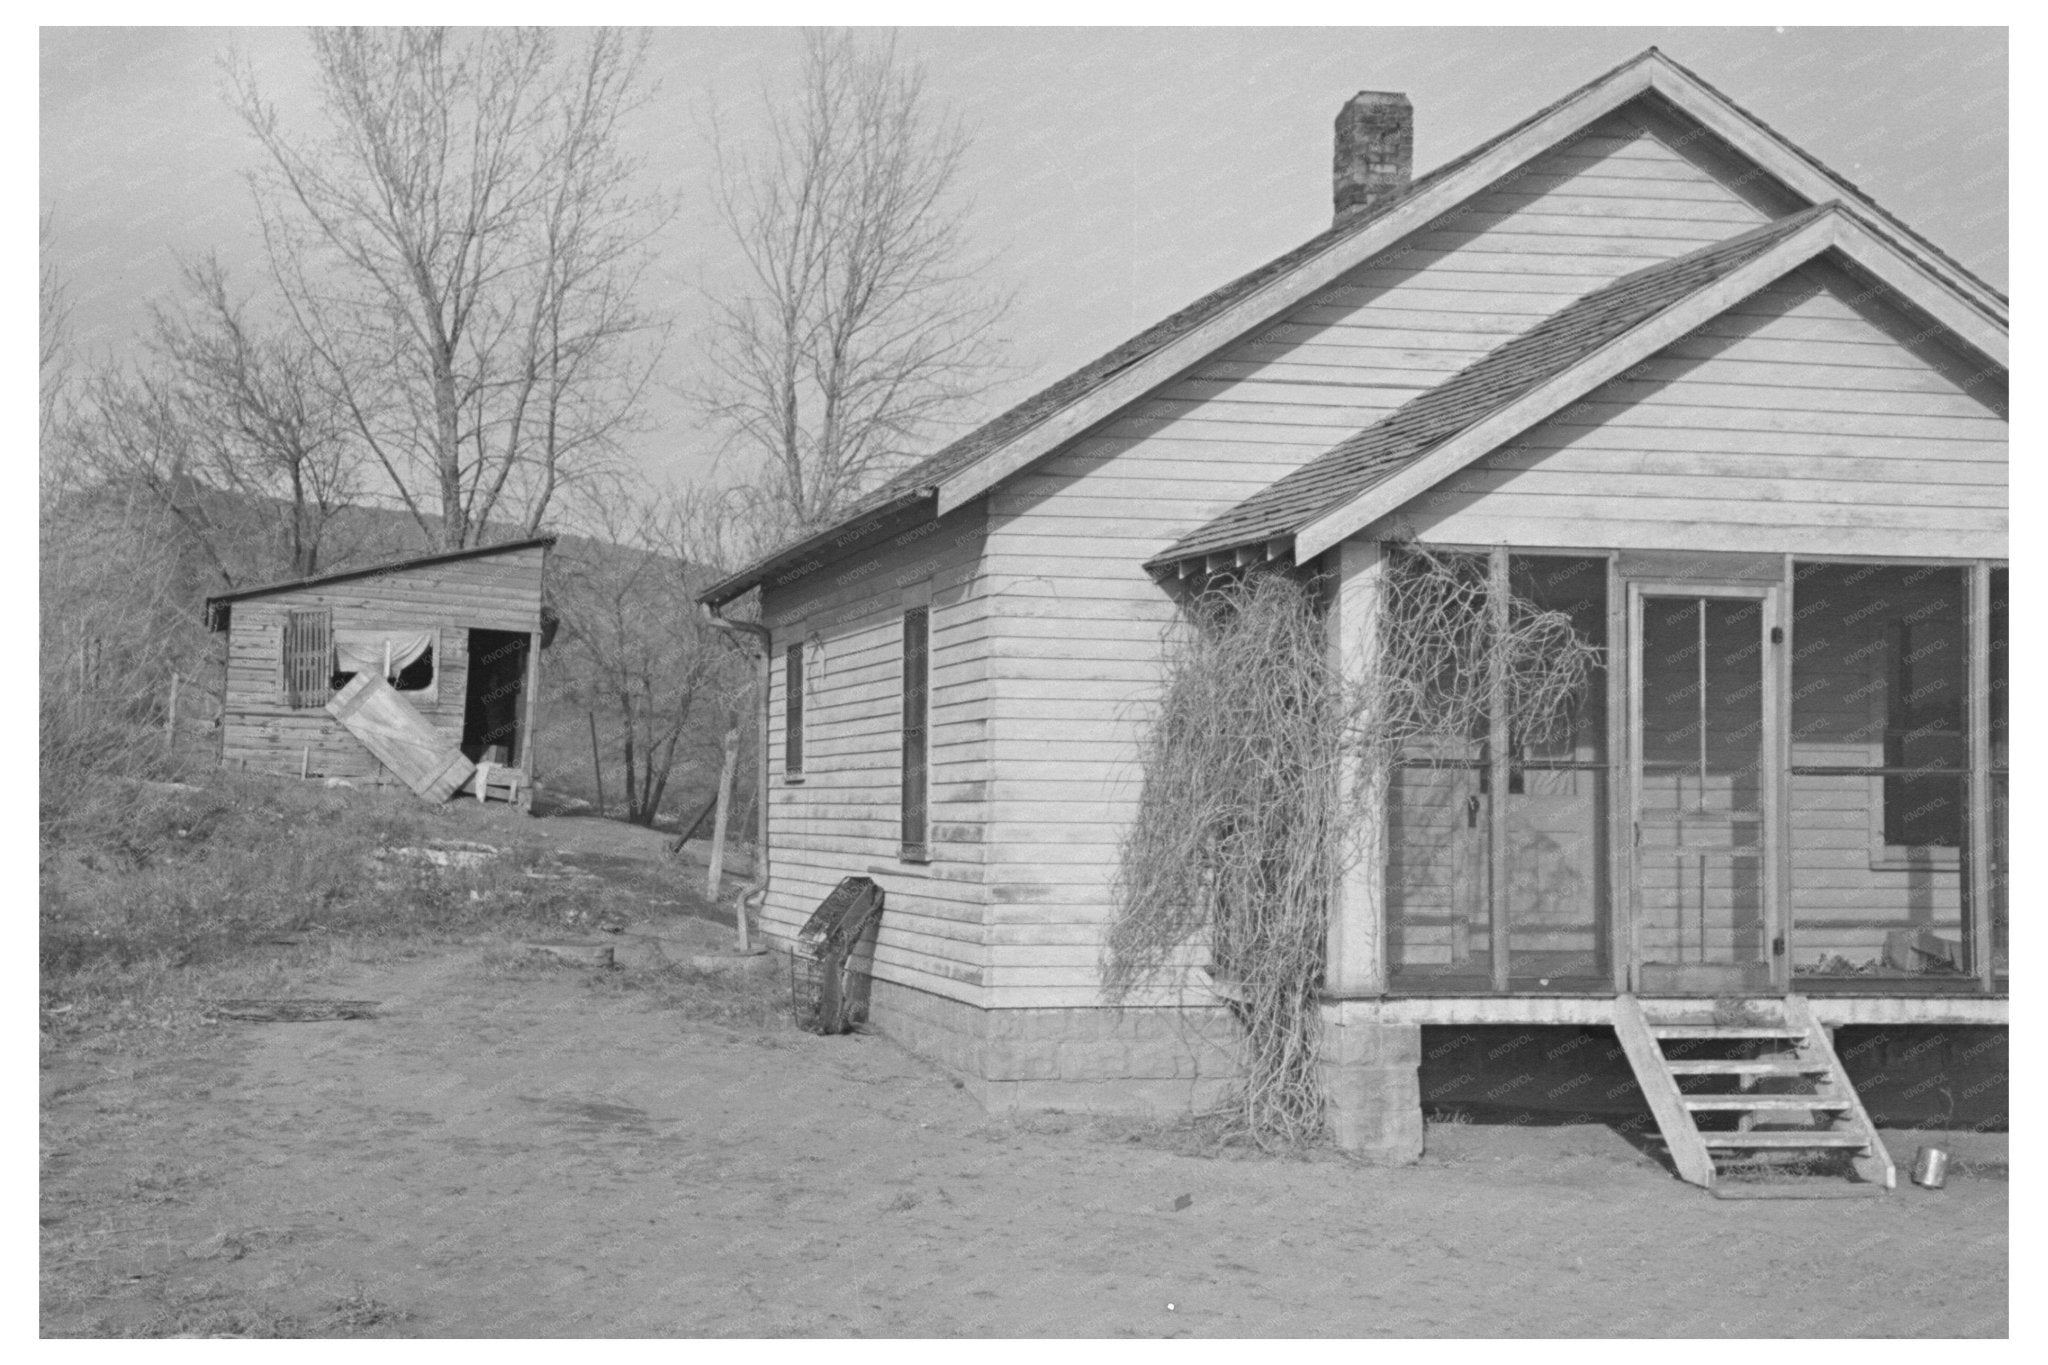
(817, 549)
(368, 571)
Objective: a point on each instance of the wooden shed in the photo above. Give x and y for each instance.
(1639, 360)
(433, 662)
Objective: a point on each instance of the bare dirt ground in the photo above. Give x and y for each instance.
(520, 1148)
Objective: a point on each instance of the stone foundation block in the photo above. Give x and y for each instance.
(1371, 1072)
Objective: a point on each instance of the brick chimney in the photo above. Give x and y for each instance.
(1375, 149)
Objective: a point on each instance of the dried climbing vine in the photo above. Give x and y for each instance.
(1246, 821)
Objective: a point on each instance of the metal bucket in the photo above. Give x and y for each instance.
(1930, 1168)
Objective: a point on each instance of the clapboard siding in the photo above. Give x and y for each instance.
(1071, 679)
(842, 819)
(1077, 670)
(264, 734)
(1807, 418)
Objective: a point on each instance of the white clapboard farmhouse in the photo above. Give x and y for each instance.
(1658, 368)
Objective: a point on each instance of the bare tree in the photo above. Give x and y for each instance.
(257, 418)
(462, 249)
(859, 329)
(53, 297)
(674, 685)
(131, 438)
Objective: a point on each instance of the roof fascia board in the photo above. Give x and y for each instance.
(1771, 152)
(427, 561)
(1901, 269)
(1261, 306)
(1629, 349)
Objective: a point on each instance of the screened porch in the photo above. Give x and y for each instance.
(1784, 774)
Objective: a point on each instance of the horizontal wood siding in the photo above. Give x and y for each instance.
(1809, 419)
(264, 734)
(1073, 677)
(843, 818)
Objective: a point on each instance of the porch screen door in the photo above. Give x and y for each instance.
(1704, 899)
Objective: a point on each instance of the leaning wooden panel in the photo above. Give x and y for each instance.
(402, 741)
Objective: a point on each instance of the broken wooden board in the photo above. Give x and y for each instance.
(575, 953)
(1796, 1189)
(291, 1011)
(425, 759)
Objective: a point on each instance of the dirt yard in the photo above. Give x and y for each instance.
(517, 1147)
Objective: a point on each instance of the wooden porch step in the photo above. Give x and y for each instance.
(1733, 1066)
(1784, 1141)
(1796, 1189)
(1764, 1104)
(1695, 1153)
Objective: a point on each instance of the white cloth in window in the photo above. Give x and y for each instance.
(363, 651)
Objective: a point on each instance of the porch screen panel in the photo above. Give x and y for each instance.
(1439, 812)
(1439, 919)
(1999, 923)
(1880, 777)
(1558, 895)
(1700, 848)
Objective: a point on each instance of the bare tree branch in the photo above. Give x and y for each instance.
(258, 420)
(461, 249)
(859, 331)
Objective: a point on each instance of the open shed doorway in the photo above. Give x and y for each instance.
(494, 702)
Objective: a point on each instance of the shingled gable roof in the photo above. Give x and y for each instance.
(1482, 388)
(925, 480)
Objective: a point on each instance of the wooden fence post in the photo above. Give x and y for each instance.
(717, 870)
(596, 766)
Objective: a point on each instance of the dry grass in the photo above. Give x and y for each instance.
(756, 1001)
(158, 896)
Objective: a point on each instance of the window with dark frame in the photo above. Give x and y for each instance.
(916, 728)
(793, 711)
(308, 658)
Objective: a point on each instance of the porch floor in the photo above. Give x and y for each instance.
(1551, 1008)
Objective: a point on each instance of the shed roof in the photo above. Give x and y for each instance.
(217, 616)
(1480, 389)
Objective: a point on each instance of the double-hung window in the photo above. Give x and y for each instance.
(793, 713)
(916, 731)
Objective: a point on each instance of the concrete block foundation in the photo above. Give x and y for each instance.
(1158, 1061)
(1138, 1061)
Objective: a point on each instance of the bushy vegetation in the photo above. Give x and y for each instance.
(155, 893)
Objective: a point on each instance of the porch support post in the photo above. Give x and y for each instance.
(1370, 1066)
(1977, 875)
(1355, 952)
(1371, 1070)
(1498, 741)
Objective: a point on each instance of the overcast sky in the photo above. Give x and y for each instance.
(1116, 174)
